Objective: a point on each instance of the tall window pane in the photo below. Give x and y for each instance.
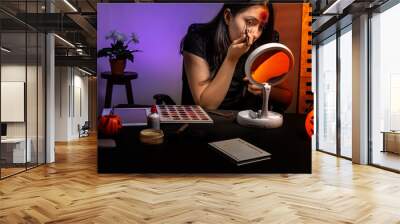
(346, 93)
(385, 88)
(327, 95)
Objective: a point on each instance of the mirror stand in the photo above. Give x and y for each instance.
(262, 118)
(266, 90)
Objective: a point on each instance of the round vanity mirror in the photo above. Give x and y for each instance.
(267, 66)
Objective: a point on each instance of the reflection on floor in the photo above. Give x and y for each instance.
(71, 191)
(11, 169)
(387, 159)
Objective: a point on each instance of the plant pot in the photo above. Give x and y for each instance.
(117, 66)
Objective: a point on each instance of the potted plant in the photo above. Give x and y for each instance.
(118, 53)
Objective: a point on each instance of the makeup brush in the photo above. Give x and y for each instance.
(246, 31)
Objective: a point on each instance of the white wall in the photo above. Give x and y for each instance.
(61, 103)
(16, 72)
(80, 111)
(71, 94)
(33, 126)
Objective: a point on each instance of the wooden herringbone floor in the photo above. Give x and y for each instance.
(71, 191)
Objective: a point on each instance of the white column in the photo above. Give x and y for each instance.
(50, 99)
(360, 90)
(50, 92)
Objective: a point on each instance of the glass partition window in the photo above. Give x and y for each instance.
(346, 93)
(326, 70)
(14, 153)
(22, 93)
(385, 88)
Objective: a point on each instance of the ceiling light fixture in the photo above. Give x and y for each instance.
(84, 71)
(64, 40)
(5, 50)
(70, 5)
(337, 7)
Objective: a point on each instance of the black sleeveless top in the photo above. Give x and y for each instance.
(200, 42)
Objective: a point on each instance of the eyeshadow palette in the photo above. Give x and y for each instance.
(183, 114)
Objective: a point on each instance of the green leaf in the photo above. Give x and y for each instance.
(130, 57)
(104, 52)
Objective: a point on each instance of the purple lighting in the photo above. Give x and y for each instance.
(160, 28)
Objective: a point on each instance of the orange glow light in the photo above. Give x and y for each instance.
(273, 66)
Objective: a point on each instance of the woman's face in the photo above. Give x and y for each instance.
(253, 18)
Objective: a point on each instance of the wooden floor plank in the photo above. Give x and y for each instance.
(71, 191)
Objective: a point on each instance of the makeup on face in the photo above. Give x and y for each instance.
(263, 16)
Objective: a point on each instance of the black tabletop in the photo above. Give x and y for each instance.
(188, 152)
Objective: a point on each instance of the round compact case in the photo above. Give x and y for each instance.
(152, 136)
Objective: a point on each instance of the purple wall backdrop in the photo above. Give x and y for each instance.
(160, 28)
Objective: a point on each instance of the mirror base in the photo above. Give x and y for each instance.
(246, 118)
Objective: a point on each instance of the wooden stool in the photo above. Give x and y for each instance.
(112, 80)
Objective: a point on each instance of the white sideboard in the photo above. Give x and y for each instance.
(17, 145)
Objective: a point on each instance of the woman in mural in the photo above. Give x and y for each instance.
(214, 55)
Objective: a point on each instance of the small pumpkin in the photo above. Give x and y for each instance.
(309, 124)
(110, 124)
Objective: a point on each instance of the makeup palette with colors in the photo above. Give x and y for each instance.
(183, 114)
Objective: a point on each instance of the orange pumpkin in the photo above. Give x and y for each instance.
(109, 124)
(310, 123)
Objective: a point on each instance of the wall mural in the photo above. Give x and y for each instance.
(204, 88)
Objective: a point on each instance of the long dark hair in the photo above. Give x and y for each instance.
(220, 33)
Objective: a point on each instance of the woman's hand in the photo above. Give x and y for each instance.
(252, 88)
(239, 47)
